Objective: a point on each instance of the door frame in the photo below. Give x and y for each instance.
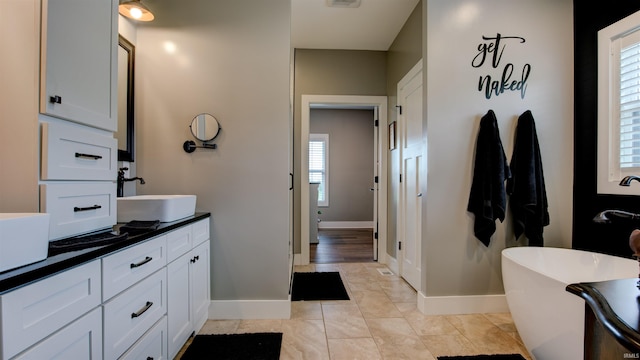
(344, 102)
(412, 276)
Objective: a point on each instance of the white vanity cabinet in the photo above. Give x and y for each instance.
(188, 282)
(44, 310)
(126, 304)
(78, 74)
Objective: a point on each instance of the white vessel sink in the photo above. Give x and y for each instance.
(165, 208)
(24, 239)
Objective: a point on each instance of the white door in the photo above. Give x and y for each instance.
(412, 172)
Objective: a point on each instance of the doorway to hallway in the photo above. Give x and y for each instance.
(342, 246)
(379, 103)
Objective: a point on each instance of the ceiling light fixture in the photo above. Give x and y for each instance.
(344, 3)
(134, 9)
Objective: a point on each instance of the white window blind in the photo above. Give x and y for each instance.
(318, 165)
(629, 100)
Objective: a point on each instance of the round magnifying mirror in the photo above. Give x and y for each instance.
(205, 127)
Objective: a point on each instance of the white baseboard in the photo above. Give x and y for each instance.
(392, 264)
(345, 225)
(448, 305)
(249, 309)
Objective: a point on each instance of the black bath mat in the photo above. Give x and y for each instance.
(308, 286)
(484, 357)
(256, 346)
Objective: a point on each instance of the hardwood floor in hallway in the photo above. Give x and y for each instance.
(342, 246)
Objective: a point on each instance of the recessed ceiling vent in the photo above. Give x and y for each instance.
(344, 3)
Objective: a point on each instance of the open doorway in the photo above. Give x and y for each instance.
(379, 104)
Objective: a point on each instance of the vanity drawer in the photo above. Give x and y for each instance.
(153, 344)
(200, 232)
(78, 207)
(73, 152)
(179, 242)
(127, 267)
(129, 315)
(80, 340)
(35, 311)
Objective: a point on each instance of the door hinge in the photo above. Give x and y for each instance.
(400, 177)
(376, 123)
(375, 235)
(375, 179)
(399, 245)
(399, 109)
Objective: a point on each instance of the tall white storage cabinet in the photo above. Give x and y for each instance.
(78, 114)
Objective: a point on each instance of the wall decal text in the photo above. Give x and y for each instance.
(491, 51)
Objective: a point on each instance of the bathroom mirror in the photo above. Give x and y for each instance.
(125, 135)
(205, 127)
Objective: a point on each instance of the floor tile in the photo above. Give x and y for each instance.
(344, 321)
(353, 349)
(380, 321)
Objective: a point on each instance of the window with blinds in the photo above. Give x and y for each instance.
(618, 105)
(629, 100)
(318, 165)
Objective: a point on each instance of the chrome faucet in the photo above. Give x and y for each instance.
(121, 180)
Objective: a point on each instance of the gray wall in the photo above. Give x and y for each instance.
(213, 68)
(350, 162)
(403, 54)
(331, 72)
(454, 261)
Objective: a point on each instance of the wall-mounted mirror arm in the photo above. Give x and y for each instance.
(190, 146)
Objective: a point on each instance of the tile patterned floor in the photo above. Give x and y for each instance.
(381, 321)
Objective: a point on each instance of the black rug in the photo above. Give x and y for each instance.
(308, 286)
(257, 346)
(484, 357)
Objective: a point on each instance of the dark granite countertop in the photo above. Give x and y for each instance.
(24, 275)
(616, 304)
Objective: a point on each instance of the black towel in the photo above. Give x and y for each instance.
(488, 199)
(528, 195)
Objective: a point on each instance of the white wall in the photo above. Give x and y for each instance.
(229, 59)
(455, 262)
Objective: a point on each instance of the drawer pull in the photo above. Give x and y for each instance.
(195, 258)
(94, 207)
(56, 99)
(141, 311)
(88, 156)
(146, 260)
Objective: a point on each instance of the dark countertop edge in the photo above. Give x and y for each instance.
(620, 330)
(52, 265)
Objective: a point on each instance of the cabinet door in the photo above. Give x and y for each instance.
(178, 303)
(200, 285)
(78, 66)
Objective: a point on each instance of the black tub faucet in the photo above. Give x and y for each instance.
(121, 180)
(626, 181)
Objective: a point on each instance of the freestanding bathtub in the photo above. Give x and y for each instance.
(549, 319)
